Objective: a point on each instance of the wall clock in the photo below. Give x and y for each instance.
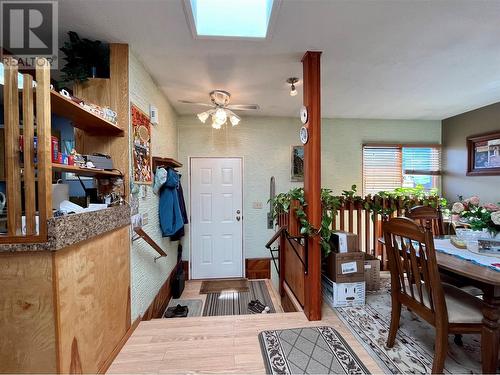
(304, 116)
(304, 135)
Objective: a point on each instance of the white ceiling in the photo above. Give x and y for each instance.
(392, 59)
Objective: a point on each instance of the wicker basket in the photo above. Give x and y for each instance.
(372, 272)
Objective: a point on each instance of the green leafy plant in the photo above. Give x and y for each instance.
(82, 56)
(330, 204)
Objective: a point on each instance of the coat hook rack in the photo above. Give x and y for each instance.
(165, 162)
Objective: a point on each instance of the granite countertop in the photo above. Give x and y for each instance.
(67, 230)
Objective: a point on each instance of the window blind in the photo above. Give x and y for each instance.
(423, 161)
(382, 166)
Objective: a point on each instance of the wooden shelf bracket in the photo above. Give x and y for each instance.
(141, 234)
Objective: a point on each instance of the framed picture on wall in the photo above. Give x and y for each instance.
(141, 147)
(297, 164)
(483, 154)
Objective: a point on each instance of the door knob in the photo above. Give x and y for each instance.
(238, 218)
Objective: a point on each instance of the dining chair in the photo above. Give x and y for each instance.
(416, 284)
(421, 214)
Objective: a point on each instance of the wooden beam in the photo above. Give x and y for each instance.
(43, 144)
(29, 152)
(12, 165)
(312, 181)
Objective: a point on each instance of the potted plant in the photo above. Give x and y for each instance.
(84, 58)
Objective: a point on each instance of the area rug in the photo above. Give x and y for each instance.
(194, 305)
(312, 350)
(218, 286)
(413, 351)
(236, 303)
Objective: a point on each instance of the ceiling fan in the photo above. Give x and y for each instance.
(221, 110)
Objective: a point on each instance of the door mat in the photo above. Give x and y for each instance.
(219, 286)
(194, 306)
(236, 303)
(312, 350)
(413, 350)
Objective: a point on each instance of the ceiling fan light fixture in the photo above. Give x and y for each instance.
(235, 120)
(293, 91)
(203, 116)
(221, 115)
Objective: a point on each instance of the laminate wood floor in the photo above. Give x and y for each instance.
(225, 344)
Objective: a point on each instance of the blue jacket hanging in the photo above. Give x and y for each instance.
(171, 219)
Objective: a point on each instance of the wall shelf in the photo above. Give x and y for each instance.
(81, 118)
(87, 172)
(165, 162)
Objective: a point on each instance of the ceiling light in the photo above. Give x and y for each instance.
(292, 81)
(235, 120)
(220, 115)
(203, 116)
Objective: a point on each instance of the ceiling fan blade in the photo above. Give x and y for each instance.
(195, 103)
(243, 107)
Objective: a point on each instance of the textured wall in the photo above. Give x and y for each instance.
(147, 276)
(455, 130)
(264, 143)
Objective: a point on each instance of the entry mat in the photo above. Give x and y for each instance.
(236, 303)
(219, 286)
(194, 306)
(312, 350)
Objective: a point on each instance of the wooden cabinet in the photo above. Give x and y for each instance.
(65, 311)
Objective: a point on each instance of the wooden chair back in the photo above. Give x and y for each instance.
(423, 214)
(415, 277)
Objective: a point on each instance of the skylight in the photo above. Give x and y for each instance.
(232, 18)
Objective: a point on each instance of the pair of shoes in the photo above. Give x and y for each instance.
(256, 307)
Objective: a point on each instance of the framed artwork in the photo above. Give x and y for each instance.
(297, 164)
(483, 154)
(141, 152)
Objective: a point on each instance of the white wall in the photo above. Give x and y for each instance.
(147, 276)
(264, 143)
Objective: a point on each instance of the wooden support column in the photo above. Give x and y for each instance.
(12, 166)
(312, 181)
(44, 158)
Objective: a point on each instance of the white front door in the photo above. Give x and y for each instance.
(216, 218)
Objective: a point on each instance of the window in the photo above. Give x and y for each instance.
(387, 167)
(231, 18)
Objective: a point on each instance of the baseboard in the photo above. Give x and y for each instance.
(258, 268)
(105, 366)
(160, 302)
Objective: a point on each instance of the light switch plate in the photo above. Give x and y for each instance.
(145, 219)
(257, 205)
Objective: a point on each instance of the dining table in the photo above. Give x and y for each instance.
(461, 264)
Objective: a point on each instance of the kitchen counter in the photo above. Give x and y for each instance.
(70, 229)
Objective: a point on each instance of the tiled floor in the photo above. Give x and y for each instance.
(227, 344)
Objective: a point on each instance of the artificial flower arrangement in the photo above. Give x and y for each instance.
(478, 216)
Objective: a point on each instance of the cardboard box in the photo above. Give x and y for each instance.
(343, 294)
(345, 267)
(344, 242)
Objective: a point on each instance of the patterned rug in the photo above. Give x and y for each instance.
(236, 303)
(413, 351)
(314, 350)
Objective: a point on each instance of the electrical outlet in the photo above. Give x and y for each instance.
(257, 205)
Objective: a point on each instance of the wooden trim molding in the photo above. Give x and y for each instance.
(160, 302)
(258, 268)
(105, 366)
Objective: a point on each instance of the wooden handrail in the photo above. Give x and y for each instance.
(140, 232)
(275, 237)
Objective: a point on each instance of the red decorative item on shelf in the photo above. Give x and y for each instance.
(55, 149)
